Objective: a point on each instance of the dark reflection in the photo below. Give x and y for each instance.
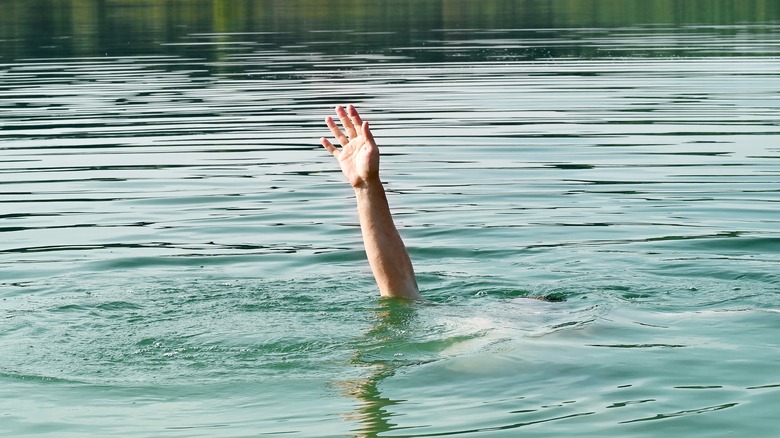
(683, 413)
(519, 29)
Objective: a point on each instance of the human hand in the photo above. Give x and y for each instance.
(359, 155)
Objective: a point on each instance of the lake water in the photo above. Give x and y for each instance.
(180, 257)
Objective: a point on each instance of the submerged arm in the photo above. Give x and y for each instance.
(359, 161)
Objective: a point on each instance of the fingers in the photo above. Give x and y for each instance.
(340, 137)
(351, 122)
(346, 122)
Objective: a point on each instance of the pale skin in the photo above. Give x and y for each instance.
(359, 161)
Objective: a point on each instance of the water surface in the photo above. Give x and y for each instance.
(179, 256)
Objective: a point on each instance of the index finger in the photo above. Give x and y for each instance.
(340, 137)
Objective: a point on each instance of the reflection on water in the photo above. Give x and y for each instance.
(436, 31)
(177, 252)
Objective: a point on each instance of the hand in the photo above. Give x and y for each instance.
(359, 155)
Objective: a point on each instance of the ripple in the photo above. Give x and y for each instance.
(171, 228)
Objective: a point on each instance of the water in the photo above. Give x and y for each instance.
(179, 256)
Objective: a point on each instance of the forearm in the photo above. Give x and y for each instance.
(386, 252)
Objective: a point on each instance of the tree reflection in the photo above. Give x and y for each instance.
(54, 28)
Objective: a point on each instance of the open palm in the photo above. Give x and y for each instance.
(359, 155)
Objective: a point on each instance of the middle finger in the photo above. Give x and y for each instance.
(346, 122)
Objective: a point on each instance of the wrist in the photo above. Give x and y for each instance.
(368, 186)
(372, 193)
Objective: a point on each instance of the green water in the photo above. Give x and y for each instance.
(179, 256)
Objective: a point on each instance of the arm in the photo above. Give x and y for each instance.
(359, 161)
